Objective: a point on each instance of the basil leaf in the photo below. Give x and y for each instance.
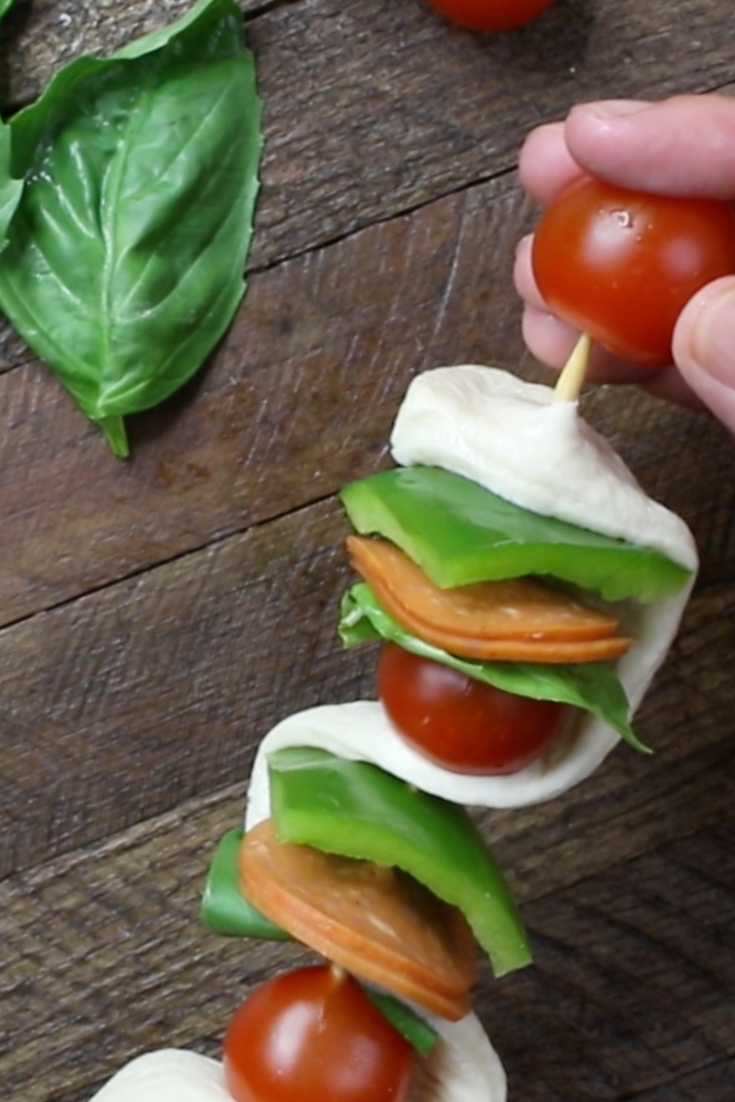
(4, 5)
(592, 686)
(124, 259)
(10, 189)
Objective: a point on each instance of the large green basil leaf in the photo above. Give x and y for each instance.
(4, 5)
(592, 686)
(124, 259)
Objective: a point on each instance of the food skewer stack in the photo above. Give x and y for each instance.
(525, 590)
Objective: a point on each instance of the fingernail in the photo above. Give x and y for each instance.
(608, 110)
(712, 344)
(524, 243)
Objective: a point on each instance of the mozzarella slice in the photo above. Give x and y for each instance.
(167, 1075)
(462, 1066)
(361, 730)
(515, 440)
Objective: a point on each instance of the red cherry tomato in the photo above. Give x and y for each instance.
(490, 15)
(313, 1035)
(460, 723)
(621, 265)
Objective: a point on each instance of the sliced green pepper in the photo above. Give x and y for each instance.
(458, 532)
(592, 686)
(357, 810)
(225, 910)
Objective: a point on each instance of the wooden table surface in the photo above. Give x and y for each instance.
(159, 614)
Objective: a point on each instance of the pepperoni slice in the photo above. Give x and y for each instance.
(516, 620)
(376, 922)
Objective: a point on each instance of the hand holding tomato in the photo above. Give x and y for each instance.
(680, 147)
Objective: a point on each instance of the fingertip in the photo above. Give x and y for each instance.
(704, 347)
(596, 134)
(545, 165)
(523, 277)
(604, 112)
(547, 338)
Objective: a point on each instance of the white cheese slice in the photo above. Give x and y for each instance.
(514, 439)
(462, 1066)
(360, 730)
(167, 1075)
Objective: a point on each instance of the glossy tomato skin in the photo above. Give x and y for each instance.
(490, 15)
(312, 1035)
(622, 265)
(460, 723)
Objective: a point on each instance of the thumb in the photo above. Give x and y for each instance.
(704, 347)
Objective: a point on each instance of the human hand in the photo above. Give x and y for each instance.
(681, 146)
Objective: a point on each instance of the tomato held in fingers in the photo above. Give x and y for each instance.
(490, 15)
(460, 723)
(621, 265)
(313, 1034)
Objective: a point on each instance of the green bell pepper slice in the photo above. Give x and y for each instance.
(357, 810)
(593, 686)
(225, 909)
(458, 532)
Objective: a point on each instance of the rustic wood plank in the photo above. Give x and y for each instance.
(633, 987)
(632, 994)
(150, 691)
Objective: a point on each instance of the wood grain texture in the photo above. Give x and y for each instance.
(157, 616)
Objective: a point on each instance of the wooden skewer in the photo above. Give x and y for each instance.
(571, 380)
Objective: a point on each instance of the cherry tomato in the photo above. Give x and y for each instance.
(621, 265)
(313, 1034)
(490, 15)
(459, 722)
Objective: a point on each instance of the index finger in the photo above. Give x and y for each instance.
(545, 165)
